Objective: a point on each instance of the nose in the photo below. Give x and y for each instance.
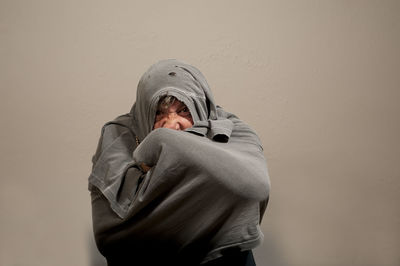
(171, 121)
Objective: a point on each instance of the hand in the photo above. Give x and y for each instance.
(144, 167)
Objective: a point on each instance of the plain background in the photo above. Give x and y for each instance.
(318, 80)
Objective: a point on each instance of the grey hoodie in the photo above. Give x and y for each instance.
(207, 188)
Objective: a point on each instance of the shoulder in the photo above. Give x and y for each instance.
(116, 133)
(241, 132)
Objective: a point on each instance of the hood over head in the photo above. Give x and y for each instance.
(188, 85)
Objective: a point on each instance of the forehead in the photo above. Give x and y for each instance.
(178, 103)
(167, 102)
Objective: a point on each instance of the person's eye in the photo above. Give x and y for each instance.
(184, 111)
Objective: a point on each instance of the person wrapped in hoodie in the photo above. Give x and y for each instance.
(178, 180)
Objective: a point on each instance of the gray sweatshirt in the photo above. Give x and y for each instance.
(207, 187)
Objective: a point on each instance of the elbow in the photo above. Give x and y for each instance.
(260, 185)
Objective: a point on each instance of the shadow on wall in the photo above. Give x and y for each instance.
(268, 254)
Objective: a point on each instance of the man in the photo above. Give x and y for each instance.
(178, 181)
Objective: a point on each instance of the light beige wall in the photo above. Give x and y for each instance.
(318, 80)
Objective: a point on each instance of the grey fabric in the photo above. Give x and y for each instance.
(207, 188)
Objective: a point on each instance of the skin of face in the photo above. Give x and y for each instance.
(177, 116)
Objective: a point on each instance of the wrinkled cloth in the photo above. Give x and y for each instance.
(206, 190)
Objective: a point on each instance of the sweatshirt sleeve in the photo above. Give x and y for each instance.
(114, 173)
(198, 198)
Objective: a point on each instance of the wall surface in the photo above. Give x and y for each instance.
(318, 80)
